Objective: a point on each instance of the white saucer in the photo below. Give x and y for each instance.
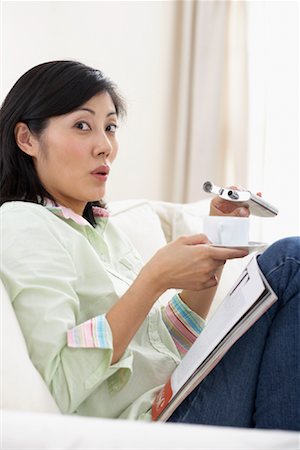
(252, 246)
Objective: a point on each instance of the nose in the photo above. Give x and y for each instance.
(103, 146)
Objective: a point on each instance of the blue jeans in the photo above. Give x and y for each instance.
(257, 383)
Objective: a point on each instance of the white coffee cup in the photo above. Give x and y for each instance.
(227, 230)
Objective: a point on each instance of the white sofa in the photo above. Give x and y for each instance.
(30, 419)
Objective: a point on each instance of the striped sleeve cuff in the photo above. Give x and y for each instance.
(94, 333)
(183, 324)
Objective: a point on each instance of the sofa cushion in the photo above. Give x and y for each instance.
(22, 385)
(64, 432)
(181, 218)
(141, 224)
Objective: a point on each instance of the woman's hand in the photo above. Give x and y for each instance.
(221, 207)
(189, 263)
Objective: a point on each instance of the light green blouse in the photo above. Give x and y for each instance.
(59, 274)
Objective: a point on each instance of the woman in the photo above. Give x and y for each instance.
(85, 301)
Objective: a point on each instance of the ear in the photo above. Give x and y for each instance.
(25, 139)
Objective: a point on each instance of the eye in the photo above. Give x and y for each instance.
(112, 128)
(84, 126)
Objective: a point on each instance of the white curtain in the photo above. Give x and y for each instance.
(238, 105)
(273, 124)
(211, 140)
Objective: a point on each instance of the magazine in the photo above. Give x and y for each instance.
(247, 300)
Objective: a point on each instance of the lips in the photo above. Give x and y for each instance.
(101, 170)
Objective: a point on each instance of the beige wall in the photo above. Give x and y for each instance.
(134, 44)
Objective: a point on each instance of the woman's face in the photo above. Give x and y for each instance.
(75, 152)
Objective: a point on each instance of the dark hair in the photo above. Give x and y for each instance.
(47, 90)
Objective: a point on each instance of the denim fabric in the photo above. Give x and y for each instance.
(257, 383)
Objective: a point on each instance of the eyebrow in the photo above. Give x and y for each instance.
(112, 113)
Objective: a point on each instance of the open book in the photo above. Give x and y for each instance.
(247, 300)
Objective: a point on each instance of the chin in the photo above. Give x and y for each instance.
(97, 196)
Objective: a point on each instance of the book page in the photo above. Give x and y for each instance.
(242, 295)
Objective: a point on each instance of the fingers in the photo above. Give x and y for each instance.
(210, 283)
(236, 209)
(222, 207)
(237, 187)
(220, 253)
(243, 211)
(195, 239)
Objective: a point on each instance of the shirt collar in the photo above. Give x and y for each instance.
(68, 213)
